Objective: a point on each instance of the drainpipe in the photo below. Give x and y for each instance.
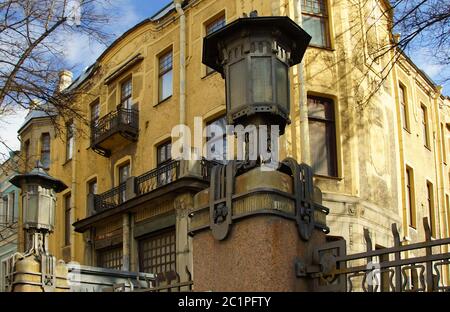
(303, 105)
(180, 11)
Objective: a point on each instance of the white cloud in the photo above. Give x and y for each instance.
(8, 133)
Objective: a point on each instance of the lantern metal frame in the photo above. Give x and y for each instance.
(234, 50)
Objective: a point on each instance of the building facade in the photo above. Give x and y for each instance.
(379, 139)
(9, 210)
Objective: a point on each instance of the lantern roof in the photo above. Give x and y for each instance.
(39, 176)
(297, 38)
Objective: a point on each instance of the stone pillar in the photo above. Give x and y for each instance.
(133, 246)
(126, 242)
(263, 243)
(183, 205)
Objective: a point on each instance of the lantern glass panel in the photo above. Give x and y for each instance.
(31, 204)
(281, 74)
(262, 79)
(237, 84)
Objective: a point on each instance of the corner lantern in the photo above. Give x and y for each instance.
(39, 199)
(254, 54)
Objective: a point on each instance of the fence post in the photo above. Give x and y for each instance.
(369, 259)
(428, 252)
(397, 255)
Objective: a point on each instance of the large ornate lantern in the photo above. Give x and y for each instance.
(254, 54)
(38, 199)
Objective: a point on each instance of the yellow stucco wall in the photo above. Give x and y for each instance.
(372, 147)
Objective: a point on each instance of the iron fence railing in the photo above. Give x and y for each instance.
(113, 122)
(412, 267)
(160, 176)
(110, 199)
(169, 282)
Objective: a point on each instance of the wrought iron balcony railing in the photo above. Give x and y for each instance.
(110, 199)
(123, 121)
(158, 177)
(145, 183)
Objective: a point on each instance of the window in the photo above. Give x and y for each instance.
(95, 112)
(444, 145)
(4, 212)
(322, 131)
(92, 187)
(164, 157)
(69, 140)
(12, 209)
(157, 253)
(447, 203)
(430, 206)
(45, 150)
(165, 76)
(124, 174)
(110, 258)
(403, 107)
(424, 116)
(216, 144)
(164, 153)
(27, 154)
(67, 220)
(125, 97)
(212, 27)
(410, 201)
(315, 22)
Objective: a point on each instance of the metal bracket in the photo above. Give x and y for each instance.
(220, 199)
(303, 193)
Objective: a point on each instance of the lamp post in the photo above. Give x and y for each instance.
(38, 202)
(39, 206)
(254, 55)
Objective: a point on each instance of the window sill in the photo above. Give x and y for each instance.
(321, 48)
(164, 100)
(325, 177)
(211, 74)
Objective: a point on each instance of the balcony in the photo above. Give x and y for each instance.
(165, 179)
(115, 129)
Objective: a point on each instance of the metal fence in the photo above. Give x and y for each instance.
(414, 267)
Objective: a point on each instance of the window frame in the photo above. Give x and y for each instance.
(95, 113)
(100, 253)
(67, 219)
(431, 208)
(210, 27)
(410, 193)
(127, 98)
(27, 154)
(45, 150)
(425, 126)
(70, 140)
(332, 140)
(167, 145)
(167, 232)
(216, 138)
(403, 101)
(324, 18)
(162, 71)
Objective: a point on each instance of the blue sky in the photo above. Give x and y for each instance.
(81, 52)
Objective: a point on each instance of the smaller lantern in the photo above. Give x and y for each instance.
(254, 54)
(38, 198)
